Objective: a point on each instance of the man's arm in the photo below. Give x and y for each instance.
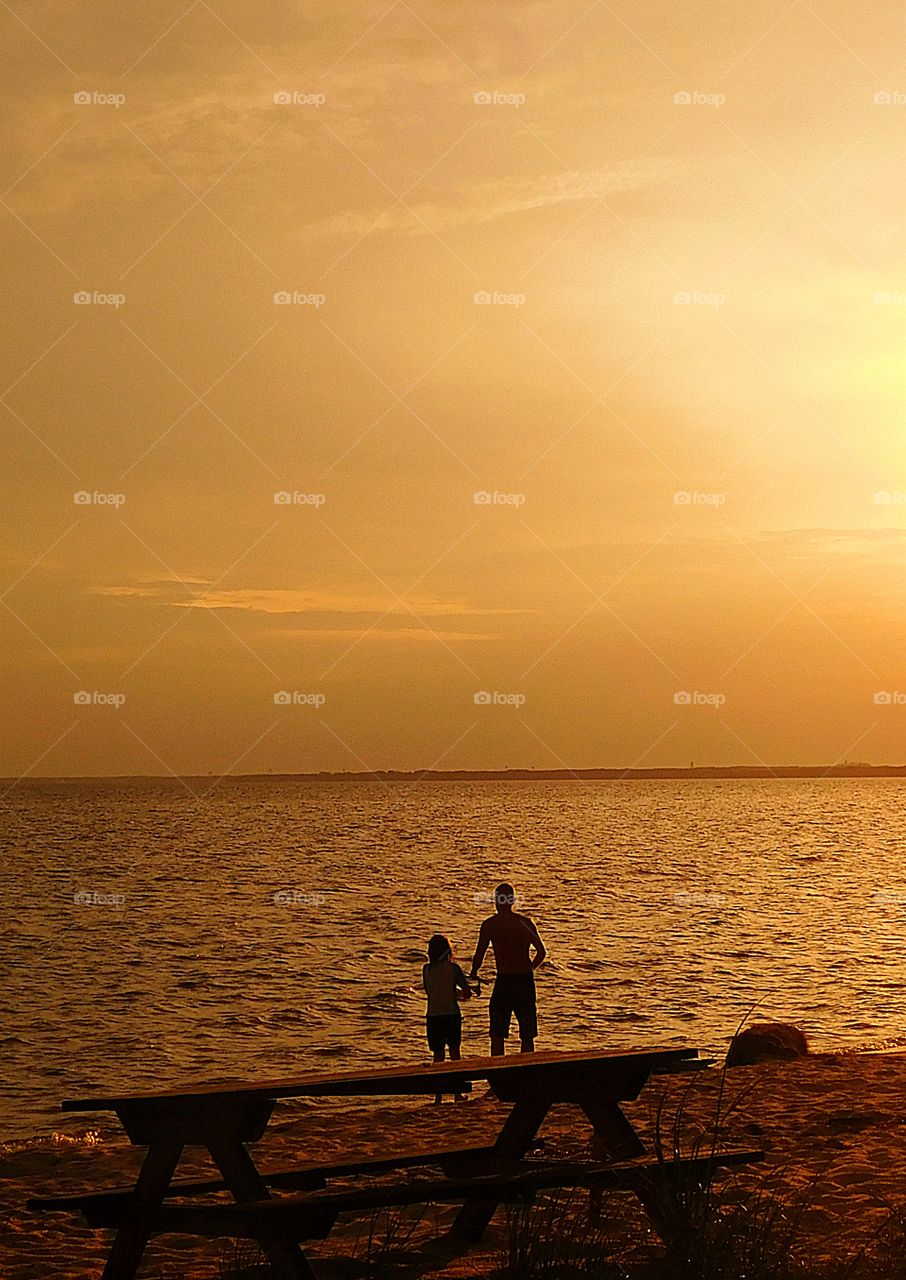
(484, 941)
(540, 948)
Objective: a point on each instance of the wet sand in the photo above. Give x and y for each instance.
(833, 1127)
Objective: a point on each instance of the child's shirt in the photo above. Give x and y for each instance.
(439, 981)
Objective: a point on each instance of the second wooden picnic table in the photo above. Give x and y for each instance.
(224, 1119)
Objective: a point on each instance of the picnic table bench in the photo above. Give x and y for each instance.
(225, 1118)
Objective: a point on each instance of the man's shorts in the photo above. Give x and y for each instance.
(514, 993)
(444, 1029)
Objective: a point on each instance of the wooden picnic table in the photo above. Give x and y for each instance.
(225, 1118)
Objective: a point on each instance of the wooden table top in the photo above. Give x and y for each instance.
(402, 1079)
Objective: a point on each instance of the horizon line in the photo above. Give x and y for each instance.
(522, 774)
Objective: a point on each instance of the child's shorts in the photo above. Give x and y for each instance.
(444, 1029)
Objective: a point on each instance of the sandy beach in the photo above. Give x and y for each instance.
(833, 1127)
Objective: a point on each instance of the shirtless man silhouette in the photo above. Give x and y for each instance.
(513, 938)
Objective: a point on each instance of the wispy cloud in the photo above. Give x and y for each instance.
(864, 542)
(489, 201)
(381, 633)
(288, 602)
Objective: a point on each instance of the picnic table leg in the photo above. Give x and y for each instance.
(133, 1234)
(619, 1141)
(614, 1138)
(613, 1132)
(245, 1182)
(514, 1140)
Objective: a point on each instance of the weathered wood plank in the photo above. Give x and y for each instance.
(393, 1080)
(310, 1177)
(304, 1216)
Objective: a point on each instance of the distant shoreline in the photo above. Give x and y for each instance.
(703, 773)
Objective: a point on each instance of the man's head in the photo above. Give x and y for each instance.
(504, 897)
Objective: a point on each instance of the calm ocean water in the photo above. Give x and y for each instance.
(150, 938)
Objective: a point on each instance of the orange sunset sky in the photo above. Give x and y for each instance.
(634, 273)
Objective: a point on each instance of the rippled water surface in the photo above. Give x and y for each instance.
(149, 938)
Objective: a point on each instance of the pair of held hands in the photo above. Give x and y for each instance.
(476, 978)
(472, 991)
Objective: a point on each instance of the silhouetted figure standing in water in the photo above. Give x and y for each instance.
(445, 984)
(513, 938)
